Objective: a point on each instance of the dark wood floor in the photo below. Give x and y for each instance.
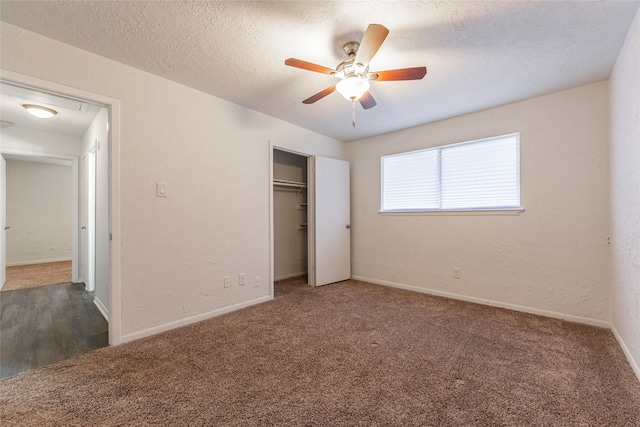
(43, 325)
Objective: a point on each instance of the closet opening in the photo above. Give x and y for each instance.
(290, 220)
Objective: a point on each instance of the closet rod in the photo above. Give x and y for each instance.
(283, 183)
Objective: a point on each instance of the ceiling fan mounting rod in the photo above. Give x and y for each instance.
(351, 48)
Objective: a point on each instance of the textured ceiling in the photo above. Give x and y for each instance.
(478, 54)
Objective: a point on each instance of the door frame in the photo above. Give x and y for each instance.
(87, 222)
(3, 221)
(310, 222)
(113, 107)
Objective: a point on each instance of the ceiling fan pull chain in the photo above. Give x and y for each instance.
(353, 112)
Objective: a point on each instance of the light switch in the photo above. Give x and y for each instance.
(161, 189)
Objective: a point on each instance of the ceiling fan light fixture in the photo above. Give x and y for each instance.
(353, 87)
(39, 111)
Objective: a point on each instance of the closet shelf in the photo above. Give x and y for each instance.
(285, 183)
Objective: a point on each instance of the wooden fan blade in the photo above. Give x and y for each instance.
(318, 96)
(415, 73)
(371, 42)
(367, 101)
(298, 63)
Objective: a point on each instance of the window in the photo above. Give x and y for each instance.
(474, 175)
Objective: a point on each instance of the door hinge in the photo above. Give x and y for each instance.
(110, 236)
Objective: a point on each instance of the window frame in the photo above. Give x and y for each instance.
(515, 210)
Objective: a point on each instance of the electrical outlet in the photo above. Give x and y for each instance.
(227, 281)
(256, 282)
(242, 279)
(457, 273)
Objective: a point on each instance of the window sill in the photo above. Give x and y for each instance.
(456, 212)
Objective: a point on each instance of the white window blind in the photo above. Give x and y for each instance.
(482, 174)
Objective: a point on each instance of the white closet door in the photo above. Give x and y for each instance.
(332, 221)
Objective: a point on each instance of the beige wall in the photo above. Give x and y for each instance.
(551, 259)
(625, 196)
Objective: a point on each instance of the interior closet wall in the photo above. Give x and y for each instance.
(289, 214)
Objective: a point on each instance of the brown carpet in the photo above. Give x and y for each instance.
(348, 354)
(34, 275)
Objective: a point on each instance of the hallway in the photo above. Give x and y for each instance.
(46, 324)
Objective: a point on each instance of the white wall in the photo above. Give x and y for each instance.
(97, 131)
(37, 142)
(625, 195)
(550, 259)
(214, 157)
(39, 212)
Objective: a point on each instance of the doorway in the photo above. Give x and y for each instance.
(44, 316)
(38, 207)
(290, 218)
(108, 189)
(102, 131)
(310, 219)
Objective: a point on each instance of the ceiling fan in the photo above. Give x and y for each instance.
(354, 71)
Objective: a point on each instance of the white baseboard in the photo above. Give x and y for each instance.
(515, 307)
(42, 261)
(189, 320)
(627, 353)
(289, 276)
(101, 308)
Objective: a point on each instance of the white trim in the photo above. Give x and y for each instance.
(113, 105)
(311, 220)
(508, 306)
(101, 308)
(193, 319)
(454, 212)
(115, 303)
(625, 350)
(289, 276)
(40, 261)
(271, 226)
